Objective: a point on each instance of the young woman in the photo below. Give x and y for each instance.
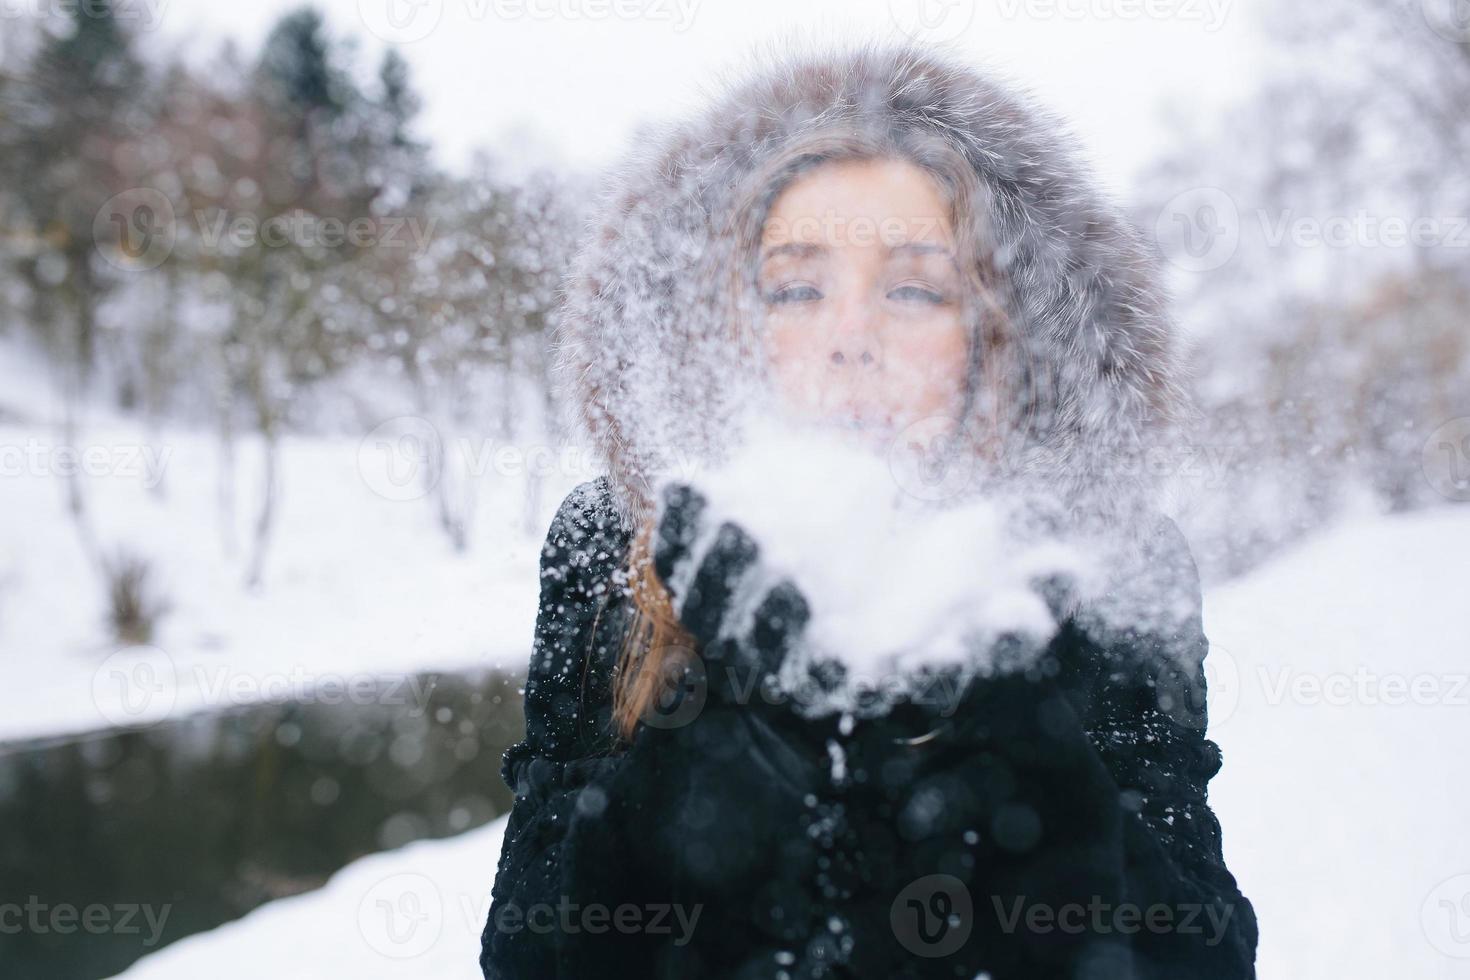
(873, 239)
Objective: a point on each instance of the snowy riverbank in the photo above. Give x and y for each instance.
(359, 580)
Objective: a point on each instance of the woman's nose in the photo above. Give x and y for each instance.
(852, 353)
(854, 343)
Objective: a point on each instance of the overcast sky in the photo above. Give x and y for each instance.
(581, 73)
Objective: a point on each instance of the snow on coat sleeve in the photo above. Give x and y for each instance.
(689, 853)
(1146, 713)
(1069, 806)
(566, 746)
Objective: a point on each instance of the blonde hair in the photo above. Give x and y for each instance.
(655, 646)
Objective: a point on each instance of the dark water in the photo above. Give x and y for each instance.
(117, 843)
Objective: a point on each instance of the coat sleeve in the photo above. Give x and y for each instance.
(566, 746)
(714, 825)
(1069, 802)
(1147, 717)
(685, 853)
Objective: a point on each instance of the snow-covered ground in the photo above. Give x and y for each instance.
(414, 912)
(359, 580)
(1342, 706)
(1340, 703)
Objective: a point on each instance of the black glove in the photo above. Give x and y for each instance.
(736, 658)
(743, 818)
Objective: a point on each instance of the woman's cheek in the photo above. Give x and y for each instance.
(926, 372)
(792, 363)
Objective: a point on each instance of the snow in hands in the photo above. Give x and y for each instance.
(900, 589)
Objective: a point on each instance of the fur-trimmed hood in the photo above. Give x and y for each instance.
(643, 351)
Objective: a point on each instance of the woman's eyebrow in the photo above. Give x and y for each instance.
(799, 249)
(922, 248)
(905, 252)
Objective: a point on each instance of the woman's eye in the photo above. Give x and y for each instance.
(910, 292)
(794, 293)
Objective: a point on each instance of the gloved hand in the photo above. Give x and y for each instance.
(733, 799)
(743, 620)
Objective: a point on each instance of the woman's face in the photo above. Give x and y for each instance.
(863, 304)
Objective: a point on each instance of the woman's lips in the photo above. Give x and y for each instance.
(868, 419)
(869, 422)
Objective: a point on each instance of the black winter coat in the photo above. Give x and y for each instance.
(1055, 825)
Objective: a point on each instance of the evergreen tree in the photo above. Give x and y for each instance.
(79, 102)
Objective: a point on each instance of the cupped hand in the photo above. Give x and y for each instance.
(744, 620)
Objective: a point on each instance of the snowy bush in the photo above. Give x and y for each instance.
(135, 603)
